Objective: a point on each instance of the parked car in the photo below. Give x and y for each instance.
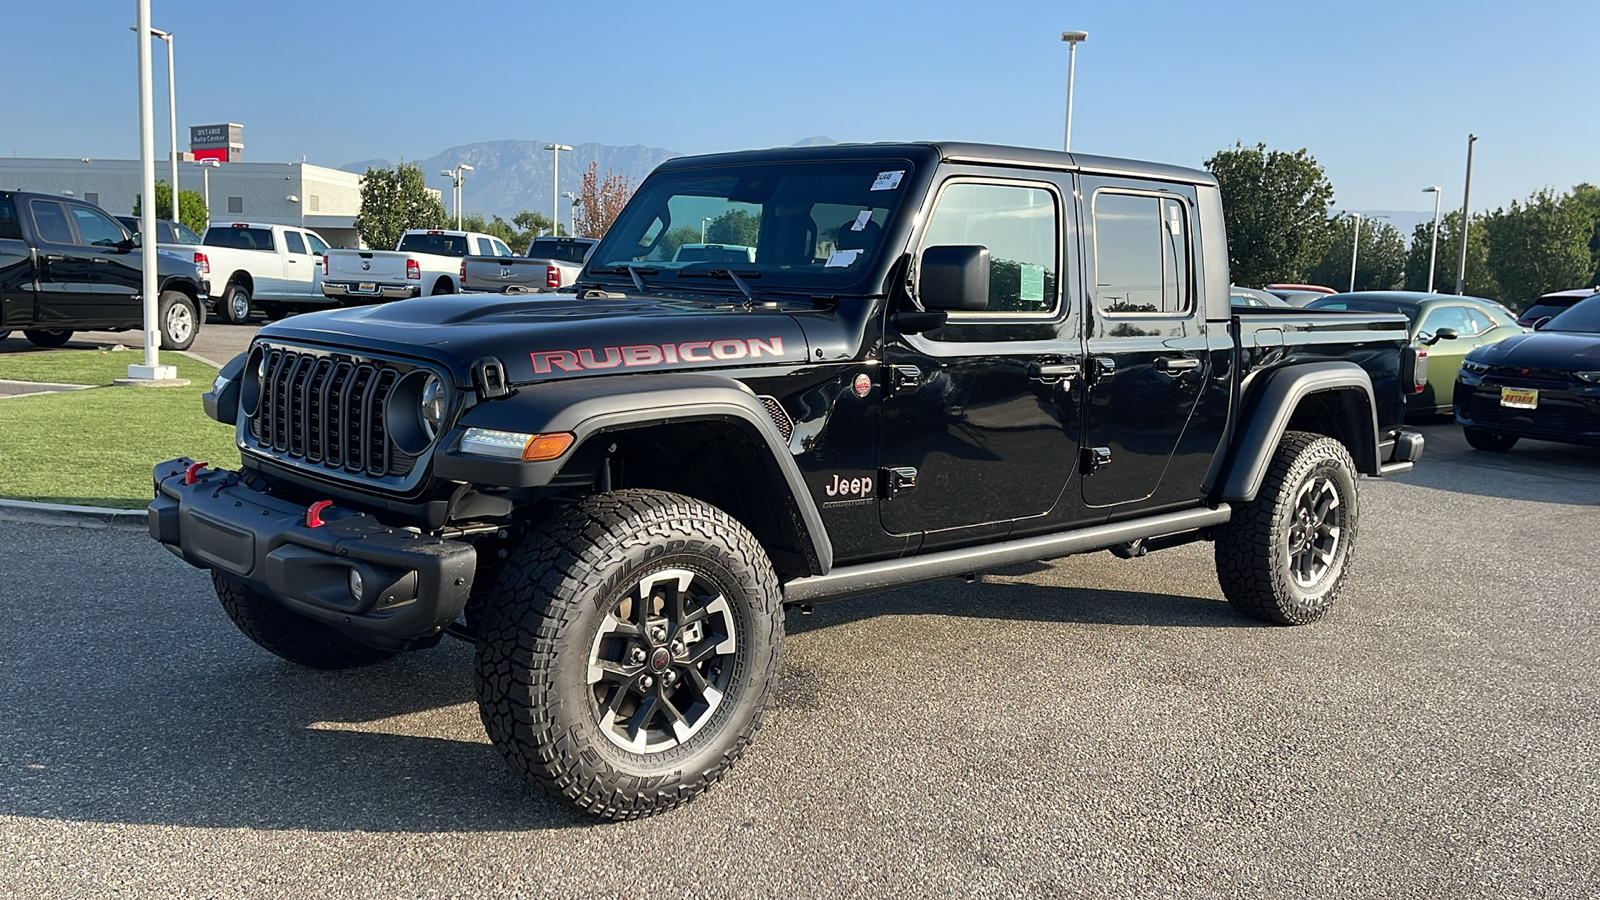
(1544, 385)
(1251, 298)
(631, 483)
(169, 233)
(1299, 299)
(273, 268)
(550, 263)
(425, 262)
(1447, 325)
(1554, 304)
(67, 265)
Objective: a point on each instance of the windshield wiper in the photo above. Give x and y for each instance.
(633, 273)
(729, 274)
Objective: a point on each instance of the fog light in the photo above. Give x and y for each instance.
(355, 585)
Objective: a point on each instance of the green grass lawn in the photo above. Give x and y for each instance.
(97, 447)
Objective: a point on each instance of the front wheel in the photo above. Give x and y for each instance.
(273, 311)
(235, 305)
(1489, 441)
(1283, 556)
(48, 337)
(628, 651)
(180, 320)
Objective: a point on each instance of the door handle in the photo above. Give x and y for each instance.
(1174, 364)
(53, 257)
(1102, 368)
(1053, 371)
(98, 260)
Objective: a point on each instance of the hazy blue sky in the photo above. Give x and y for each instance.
(1382, 93)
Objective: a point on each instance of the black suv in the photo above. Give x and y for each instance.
(943, 358)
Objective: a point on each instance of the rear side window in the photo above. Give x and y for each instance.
(1020, 226)
(1141, 254)
(10, 228)
(437, 244)
(50, 222)
(563, 251)
(240, 238)
(293, 243)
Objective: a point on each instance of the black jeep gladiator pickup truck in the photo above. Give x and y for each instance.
(944, 358)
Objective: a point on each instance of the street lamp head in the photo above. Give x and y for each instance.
(1432, 190)
(293, 198)
(208, 163)
(448, 173)
(556, 148)
(466, 168)
(1074, 37)
(154, 32)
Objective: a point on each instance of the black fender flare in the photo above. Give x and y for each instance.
(1267, 416)
(588, 407)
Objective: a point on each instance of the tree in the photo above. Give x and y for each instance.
(1540, 246)
(1277, 206)
(531, 223)
(1587, 197)
(1479, 282)
(1380, 264)
(734, 227)
(600, 201)
(674, 238)
(393, 201)
(190, 203)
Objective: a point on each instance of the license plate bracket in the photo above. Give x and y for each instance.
(1519, 398)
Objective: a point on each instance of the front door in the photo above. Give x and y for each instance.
(984, 436)
(117, 271)
(1147, 346)
(66, 296)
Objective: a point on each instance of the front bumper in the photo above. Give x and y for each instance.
(380, 291)
(413, 584)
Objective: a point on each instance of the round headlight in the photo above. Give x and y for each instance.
(432, 406)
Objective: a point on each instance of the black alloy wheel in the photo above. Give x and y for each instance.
(48, 337)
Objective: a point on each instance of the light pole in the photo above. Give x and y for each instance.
(152, 370)
(1072, 39)
(172, 116)
(457, 176)
(1466, 197)
(1433, 254)
(206, 165)
(703, 221)
(555, 185)
(572, 218)
(1355, 247)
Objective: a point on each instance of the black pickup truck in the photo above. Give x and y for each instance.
(65, 266)
(944, 358)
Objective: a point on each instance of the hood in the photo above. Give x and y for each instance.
(549, 336)
(1543, 350)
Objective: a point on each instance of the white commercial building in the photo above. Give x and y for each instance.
(321, 199)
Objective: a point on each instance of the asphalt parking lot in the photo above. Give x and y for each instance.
(217, 341)
(1088, 728)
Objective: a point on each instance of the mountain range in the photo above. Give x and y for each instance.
(513, 175)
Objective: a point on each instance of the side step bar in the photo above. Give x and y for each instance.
(869, 578)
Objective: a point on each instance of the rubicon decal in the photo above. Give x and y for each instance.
(635, 356)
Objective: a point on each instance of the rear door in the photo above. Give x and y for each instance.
(66, 295)
(300, 268)
(1148, 360)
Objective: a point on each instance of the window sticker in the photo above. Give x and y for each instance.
(862, 220)
(1174, 219)
(839, 259)
(1032, 284)
(888, 181)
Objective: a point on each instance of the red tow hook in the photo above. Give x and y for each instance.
(192, 473)
(314, 513)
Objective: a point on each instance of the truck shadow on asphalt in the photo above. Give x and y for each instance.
(1536, 471)
(215, 733)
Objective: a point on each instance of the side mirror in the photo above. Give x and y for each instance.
(954, 277)
(128, 243)
(1541, 322)
(1446, 334)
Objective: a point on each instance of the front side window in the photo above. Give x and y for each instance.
(183, 234)
(96, 228)
(500, 249)
(1021, 227)
(1448, 317)
(318, 245)
(293, 243)
(811, 225)
(1141, 254)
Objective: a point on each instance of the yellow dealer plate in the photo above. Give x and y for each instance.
(1519, 398)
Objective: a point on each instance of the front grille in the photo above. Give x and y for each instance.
(1542, 379)
(328, 412)
(1551, 417)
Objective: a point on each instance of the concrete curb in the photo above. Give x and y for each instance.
(33, 513)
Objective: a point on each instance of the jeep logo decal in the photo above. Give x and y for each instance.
(640, 355)
(849, 487)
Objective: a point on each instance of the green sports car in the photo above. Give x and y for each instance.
(1448, 325)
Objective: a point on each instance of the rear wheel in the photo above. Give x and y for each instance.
(628, 651)
(288, 634)
(1489, 441)
(235, 305)
(180, 321)
(48, 337)
(444, 286)
(1283, 556)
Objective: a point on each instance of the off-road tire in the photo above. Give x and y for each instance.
(1489, 441)
(1254, 548)
(284, 632)
(179, 320)
(4, 335)
(234, 307)
(43, 337)
(560, 591)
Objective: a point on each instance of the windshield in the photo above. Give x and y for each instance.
(817, 224)
(1584, 317)
(559, 249)
(434, 242)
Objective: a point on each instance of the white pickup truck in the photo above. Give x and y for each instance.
(275, 268)
(551, 263)
(424, 263)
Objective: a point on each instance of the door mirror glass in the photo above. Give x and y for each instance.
(954, 277)
(1446, 334)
